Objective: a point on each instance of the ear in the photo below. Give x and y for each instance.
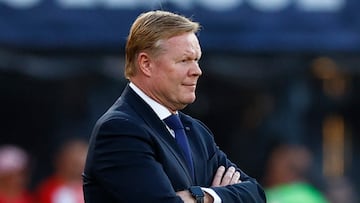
(144, 62)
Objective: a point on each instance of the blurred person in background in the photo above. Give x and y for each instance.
(14, 175)
(285, 178)
(65, 184)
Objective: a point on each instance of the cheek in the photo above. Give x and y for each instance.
(167, 76)
(168, 73)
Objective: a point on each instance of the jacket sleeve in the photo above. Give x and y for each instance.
(248, 191)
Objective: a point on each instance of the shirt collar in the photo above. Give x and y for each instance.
(160, 110)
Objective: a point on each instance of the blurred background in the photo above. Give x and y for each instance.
(280, 77)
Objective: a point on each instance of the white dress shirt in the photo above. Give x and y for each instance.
(162, 112)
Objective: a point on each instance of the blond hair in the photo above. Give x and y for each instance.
(149, 29)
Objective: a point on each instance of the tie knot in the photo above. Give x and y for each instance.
(174, 122)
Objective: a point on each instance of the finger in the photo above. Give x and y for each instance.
(227, 177)
(235, 178)
(218, 176)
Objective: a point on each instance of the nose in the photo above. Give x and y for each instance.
(195, 69)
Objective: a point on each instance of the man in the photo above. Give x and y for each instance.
(135, 154)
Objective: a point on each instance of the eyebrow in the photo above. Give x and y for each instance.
(193, 52)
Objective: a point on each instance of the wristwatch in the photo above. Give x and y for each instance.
(197, 193)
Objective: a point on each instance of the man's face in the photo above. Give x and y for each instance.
(175, 71)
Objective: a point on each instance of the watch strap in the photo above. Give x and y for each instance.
(197, 193)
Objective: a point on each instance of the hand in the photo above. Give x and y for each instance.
(224, 178)
(186, 196)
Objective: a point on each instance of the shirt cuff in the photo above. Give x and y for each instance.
(213, 194)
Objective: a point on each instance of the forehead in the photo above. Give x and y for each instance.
(186, 43)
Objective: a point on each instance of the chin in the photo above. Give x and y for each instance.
(189, 101)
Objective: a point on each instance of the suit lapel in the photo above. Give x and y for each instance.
(156, 126)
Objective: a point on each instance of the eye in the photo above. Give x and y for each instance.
(188, 60)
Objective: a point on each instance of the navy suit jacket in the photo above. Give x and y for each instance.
(133, 158)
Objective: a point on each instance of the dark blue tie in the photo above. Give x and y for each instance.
(175, 124)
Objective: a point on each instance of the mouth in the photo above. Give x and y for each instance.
(190, 85)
